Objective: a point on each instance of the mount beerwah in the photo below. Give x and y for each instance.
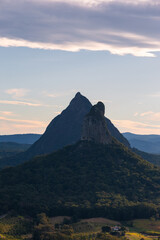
(65, 129)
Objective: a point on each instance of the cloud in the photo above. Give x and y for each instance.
(12, 126)
(135, 114)
(155, 95)
(17, 92)
(118, 26)
(137, 127)
(151, 116)
(148, 116)
(58, 94)
(5, 113)
(57, 113)
(21, 103)
(146, 113)
(23, 121)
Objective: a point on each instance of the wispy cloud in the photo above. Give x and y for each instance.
(57, 113)
(148, 116)
(11, 126)
(151, 116)
(155, 95)
(58, 94)
(136, 114)
(5, 113)
(146, 113)
(119, 26)
(33, 122)
(137, 127)
(17, 92)
(21, 103)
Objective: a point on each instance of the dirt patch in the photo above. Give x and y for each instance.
(101, 220)
(59, 219)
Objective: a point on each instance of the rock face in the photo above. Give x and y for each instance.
(95, 126)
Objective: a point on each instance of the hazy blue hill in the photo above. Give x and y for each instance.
(65, 129)
(20, 138)
(151, 137)
(146, 146)
(145, 143)
(86, 180)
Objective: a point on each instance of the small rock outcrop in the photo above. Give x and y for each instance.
(95, 126)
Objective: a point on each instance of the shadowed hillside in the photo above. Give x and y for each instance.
(86, 180)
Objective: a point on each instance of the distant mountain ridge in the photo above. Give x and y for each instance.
(145, 143)
(20, 138)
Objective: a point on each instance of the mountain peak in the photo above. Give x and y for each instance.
(101, 107)
(98, 109)
(95, 126)
(79, 101)
(78, 94)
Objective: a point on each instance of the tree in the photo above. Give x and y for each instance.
(106, 229)
(43, 230)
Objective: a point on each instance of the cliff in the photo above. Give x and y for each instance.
(95, 126)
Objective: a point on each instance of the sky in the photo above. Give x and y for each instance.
(109, 50)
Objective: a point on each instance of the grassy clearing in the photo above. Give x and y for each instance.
(101, 220)
(87, 227)
(59, 219)
(93, 225)
(148, 226)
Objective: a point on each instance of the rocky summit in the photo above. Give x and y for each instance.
(95, 126)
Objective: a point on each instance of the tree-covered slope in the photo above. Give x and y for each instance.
(152, 158)
(8, 149)
(85, 179)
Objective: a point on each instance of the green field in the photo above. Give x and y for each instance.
(137, 236)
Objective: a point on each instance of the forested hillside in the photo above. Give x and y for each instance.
(85, 180)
